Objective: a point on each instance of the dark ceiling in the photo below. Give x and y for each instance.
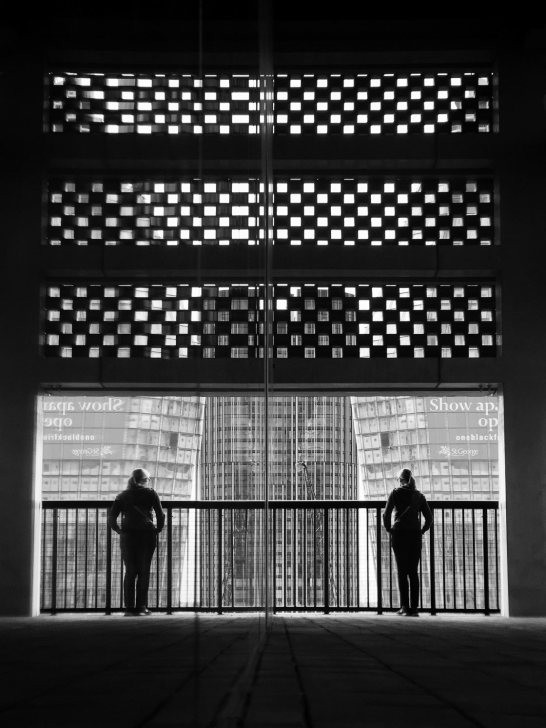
(233, 27)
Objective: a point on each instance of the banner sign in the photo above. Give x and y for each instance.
(462, 427)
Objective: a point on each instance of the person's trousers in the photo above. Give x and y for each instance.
(407, 553)
(137, 550)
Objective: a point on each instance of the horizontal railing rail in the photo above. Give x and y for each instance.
(321, 556)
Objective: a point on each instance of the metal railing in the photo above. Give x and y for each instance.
(322, 556)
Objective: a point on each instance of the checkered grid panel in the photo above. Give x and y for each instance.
(384, 103)
(309, 321)
(153, 104)
(365, 211)
(311, 103)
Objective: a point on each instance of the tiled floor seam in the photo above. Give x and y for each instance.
(432, 693)
(98, 671)
(463, 664)
(190, 676)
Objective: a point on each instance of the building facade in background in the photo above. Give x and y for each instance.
(91, 445)
(450, 442)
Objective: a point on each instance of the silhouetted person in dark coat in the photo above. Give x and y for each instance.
(406, 538)
(138, 537)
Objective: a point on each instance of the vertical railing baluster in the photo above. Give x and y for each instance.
(485, 561)
(463, 518)
(326, 541)
(274, 554)
(43, 559)
(474, 583)
(347, 596)
(453, 560)
(54, 562)
(66, 539)
(96, 558)
(294, 557)
(108, 571)
(305, 516)
(285, 558)
(444, 605)
(210, 581)
(315, 575)
(379, 561)
(85, 573)
(220, 564)
(170, 559)
(76, 560)
(497, 587)
(432, 558)
(356, 561)
(157, 571)
(367, 557)
(232, 557)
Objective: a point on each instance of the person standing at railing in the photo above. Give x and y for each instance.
(138, 537)
(406, 538)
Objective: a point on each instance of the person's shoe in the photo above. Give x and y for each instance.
(144, 612)
(129, 613)
(412, 613)
(402, 612)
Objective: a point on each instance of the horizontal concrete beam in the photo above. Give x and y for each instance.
(115, 153)
(239, 262)
(232, 375)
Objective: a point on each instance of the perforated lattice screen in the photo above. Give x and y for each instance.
(341, 211)
(330, 321)
(400, 102)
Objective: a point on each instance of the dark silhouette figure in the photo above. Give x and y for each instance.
(406, 538)
(138, 537)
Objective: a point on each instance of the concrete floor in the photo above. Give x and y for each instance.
(314, 671)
